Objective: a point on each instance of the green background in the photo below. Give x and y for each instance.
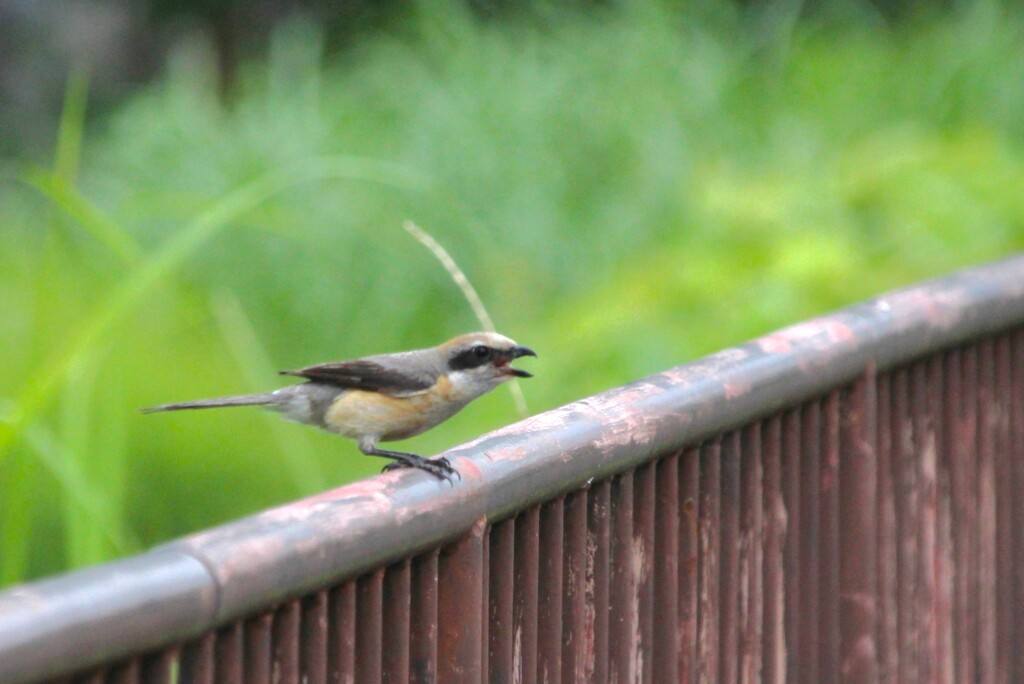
(629, 188)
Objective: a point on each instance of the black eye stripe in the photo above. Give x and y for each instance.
(474, 357)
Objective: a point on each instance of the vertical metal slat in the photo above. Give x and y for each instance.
(689, 564)
(127, 672)
(459, 609)
(666, 638)
(987, 542)
(1007, 612)
(828, 549)
(549, 592)
(98, 676)
(258, 649)
(960, 430)
(574, 607)
(773, 646)
(925, 457)
(598, 569)
(369, 627)
(501, 634)
(423, 619)
(709, 562)
(792, 554)
(887, 641)
(229, 665)
(857, 534)
(313, 639)
(197, 660)
(160, 667)
(524, 608)
(943, 559)
(623, 628)
(644, 502)
(1015, 454)
(485, 601)
(341, 634)
(728, 597)
(751, 555)
(810, 496)
(904, 462)
(285, 634)
(395, 630)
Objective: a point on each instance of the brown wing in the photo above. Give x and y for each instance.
(365, 375)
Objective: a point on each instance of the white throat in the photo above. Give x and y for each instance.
(468, 385)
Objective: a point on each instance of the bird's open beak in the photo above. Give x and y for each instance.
(522, 351)
(515, 354)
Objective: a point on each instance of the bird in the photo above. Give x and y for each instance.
(388, 397)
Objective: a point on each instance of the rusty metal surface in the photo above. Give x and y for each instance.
(751, 559)
(753, 443)
(550, 591)
(598, 559)
(774, 643)
(858, 528)
(667, 635)
(574, 632)
(461, 609)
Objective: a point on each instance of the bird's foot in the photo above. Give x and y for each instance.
(440, 468)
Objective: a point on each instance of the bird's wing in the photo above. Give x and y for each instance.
(364, 374)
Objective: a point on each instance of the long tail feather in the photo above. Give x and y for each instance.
(241, 400)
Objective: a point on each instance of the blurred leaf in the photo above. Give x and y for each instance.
(138, 284)
(72, 125)
(255, 366)
(59, 190)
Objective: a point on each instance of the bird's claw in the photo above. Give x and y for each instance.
(440, 468)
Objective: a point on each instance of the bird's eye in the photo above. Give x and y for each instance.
(481, 352)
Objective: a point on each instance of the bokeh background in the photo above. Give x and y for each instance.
(196, 194)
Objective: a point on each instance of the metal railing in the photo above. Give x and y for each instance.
(837, 500)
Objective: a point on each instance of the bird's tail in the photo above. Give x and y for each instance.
(240, 400)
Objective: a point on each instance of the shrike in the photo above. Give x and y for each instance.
(389, 396)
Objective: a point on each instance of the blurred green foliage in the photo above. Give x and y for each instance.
(628, 188)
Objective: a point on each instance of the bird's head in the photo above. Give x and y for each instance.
(479, 362)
